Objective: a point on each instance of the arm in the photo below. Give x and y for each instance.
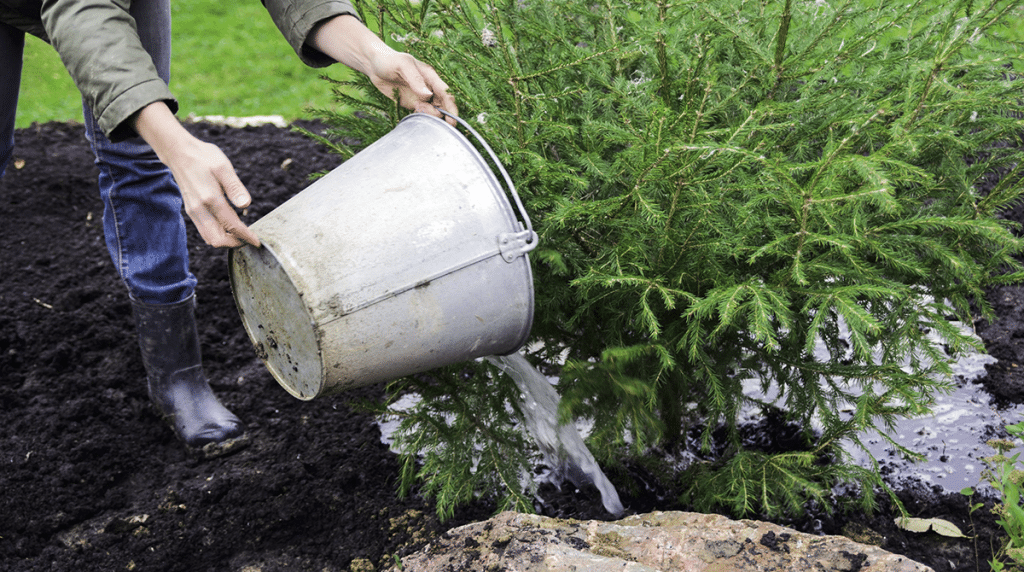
(98, 44)
(205, 175)
(326, 31)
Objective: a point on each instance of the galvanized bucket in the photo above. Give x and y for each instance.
(406, 257)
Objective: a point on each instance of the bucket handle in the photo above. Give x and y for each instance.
(528, 240)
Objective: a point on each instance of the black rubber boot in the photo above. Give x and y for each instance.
(177, 384)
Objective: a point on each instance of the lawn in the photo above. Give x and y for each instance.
(228, 59)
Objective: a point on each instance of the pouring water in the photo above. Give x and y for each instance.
(561, 445)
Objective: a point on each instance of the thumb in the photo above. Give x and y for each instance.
(239, 197)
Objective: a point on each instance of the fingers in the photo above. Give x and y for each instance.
(419, 87)
(214, 218)
(236, 230)
(239, 196)
(233, 231)
(439, 94)
(220, 226)
(222, 229)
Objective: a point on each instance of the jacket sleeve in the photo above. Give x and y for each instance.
(99, 45)
(296, 19)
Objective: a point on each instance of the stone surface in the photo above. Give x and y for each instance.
(659, 541)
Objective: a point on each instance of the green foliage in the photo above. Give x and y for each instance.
(468, 442)
(727, 190)
(1006, 475)
(749, 481)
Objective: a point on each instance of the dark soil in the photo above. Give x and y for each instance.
(91, 478)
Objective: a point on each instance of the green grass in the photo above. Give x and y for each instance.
(228, 58)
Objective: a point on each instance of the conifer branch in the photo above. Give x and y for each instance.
(781, 37)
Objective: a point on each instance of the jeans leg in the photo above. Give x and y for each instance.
(142, 218)
(12, 46)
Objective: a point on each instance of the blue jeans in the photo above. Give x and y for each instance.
(142, 210)
(12, 44)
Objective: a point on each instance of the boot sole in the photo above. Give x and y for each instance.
(219, 449)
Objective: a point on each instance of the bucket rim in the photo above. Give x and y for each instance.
(270, 365)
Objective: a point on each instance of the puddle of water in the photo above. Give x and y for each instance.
(952, 439)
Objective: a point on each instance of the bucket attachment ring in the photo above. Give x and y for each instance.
(515, 244)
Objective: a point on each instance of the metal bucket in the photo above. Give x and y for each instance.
(406, 257)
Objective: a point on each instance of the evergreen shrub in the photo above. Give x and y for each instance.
(783, 191)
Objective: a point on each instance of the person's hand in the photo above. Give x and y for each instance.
(396, 74)
(204, 176)
(417, 85)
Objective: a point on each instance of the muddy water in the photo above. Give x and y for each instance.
(952, 438)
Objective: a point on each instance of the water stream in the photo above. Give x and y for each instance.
(561, 445)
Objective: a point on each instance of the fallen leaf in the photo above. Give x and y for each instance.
(19, 163)
(936, 525)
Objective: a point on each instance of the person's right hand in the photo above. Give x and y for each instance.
(204, 176)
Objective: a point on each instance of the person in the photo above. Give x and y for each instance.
(151, 167)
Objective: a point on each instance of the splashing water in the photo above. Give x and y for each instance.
(561, 445)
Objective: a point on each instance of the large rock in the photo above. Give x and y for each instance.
(660, 541)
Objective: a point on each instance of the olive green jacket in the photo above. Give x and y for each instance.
(97, 42)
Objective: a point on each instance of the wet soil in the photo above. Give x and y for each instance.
(91, 479)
